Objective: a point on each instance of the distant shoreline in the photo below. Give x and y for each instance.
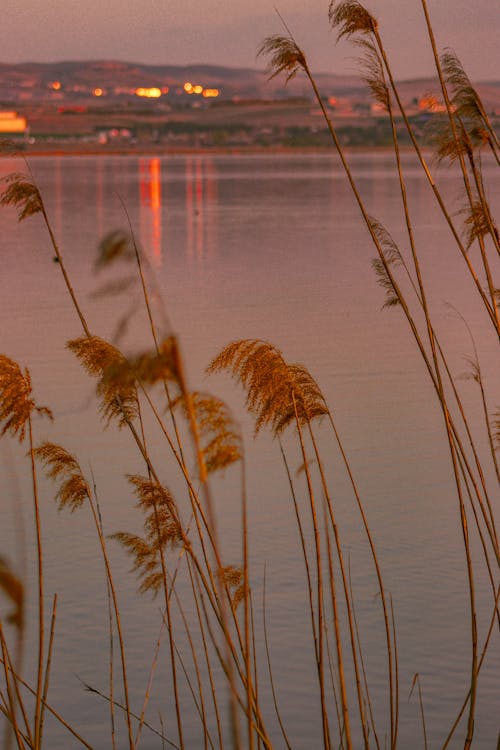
(152, 151)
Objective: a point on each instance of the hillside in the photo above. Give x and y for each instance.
(125, 103)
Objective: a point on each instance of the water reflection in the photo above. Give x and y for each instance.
(201, 199)
(99, 193)
(58, 194)
(292, 265)
(150, 187)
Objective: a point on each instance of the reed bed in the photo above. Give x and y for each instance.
(209, 603)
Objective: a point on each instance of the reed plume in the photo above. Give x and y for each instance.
(161, 530)
(447, 147)
(115, 245)
(22, 193)
(13, 588)
(465, 99)
(73, 491)
(118, 397)
(219, 436)
(351, 18)
(233, 579)
(285, 56)
(277, 393)
(61, 465)
(373, 71)
(16, 400)
(17, 407)
(476, 224)
(147, 368)
(392, 257)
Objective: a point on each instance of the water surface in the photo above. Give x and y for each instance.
(269, 247)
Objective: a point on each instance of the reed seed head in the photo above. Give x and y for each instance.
(465, 99)
(16, 399)
(13, 588)
(116, 245)
(350, 17)
(392, 257)
(61, 465)
(221, 441)
(22, 193)
(284, 56)
(476, 223)
(232, 577)
(161, 530)
(373, 71)
(276, 391)
(118, 395)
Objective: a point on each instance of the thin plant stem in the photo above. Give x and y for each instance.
(119, 705)
(50, 709)
(149, 687)
(10, 710)
(393, 697)
(416, 681)
(338, 548)
(269, 668)
(396, 669)
(207, 658)
(41, 613)
(201, 705)
(446, 415)
(304, 551)
(334, 693)
(154, 333)
(480, 663)
(109, 578)
(460, 155)
(195, 700)
(48, 665)
(362, 661)
(432, 183)
(319, 594)
(14, 671)
(246, 603)
(110, 627)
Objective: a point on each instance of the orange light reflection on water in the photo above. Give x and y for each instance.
(150, 202)
(99, 193)
(58, 198)
(201, 199)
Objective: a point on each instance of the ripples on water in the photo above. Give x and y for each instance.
(265, 247)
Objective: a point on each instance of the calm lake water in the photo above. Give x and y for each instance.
(268, 247)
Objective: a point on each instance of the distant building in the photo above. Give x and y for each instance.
(13, 124)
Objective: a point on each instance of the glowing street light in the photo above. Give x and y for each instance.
(148, 93)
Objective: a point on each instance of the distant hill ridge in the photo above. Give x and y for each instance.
(32, 80)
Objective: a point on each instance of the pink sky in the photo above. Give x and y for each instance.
(228, 32)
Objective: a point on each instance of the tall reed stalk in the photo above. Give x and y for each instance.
(134, 392)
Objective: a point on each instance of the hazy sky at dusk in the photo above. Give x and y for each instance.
(228, 32)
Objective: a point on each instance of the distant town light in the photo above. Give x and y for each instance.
(165, 90)
(207, 93)
(98, 92)
(188, 87)
(197, 89)
(431, 103)
(12, 123)
(148, 93)
(55, 85)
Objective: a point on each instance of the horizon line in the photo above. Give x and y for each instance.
(211, 65)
